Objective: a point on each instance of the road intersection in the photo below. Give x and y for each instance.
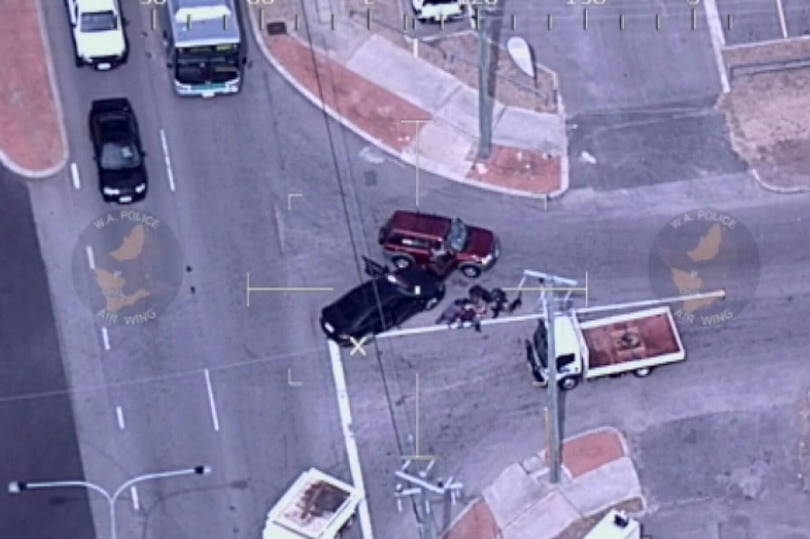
(250, 391)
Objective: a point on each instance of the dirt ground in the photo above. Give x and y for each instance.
(580, 528)
(769, 113)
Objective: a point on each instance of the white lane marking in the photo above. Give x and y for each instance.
(74, 174)
(91, 260)
(167, 159)
(782, 24)
(718, 41)
(348, 436)
(211, 400)
(135, 503)
(106, 338)
(120, 413)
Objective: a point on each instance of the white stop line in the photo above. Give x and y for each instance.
(348, 437)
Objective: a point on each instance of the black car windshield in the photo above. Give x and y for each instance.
(457, 236)
(202, 65)
(120, 155)
(100, 21)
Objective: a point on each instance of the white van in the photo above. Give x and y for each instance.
(440, 10)
(98, 33)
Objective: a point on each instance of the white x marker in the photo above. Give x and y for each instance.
(358, 345)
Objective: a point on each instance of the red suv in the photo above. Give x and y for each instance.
(441, 243)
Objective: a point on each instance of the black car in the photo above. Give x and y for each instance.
(364, 312)
(118, 151)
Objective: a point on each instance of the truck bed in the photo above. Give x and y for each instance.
(315, 507)
(632, 341)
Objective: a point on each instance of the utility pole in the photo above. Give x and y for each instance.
(484, 110)
(422, 488)
(554, 457)
(550, 286)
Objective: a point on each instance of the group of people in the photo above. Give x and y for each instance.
(475, 306)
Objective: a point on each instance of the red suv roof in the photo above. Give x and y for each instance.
(419, 223)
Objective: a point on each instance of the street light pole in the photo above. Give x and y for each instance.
(15, 487)
(553, 390)
(484, 110)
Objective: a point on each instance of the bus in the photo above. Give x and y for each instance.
(206, 46)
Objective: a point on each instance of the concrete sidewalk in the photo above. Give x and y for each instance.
(417, 112)
(32, 137)
(598, 474)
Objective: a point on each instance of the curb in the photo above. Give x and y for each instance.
(44, 173)
(775, 189)
(428, 167)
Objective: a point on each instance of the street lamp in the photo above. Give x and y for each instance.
(15, 487)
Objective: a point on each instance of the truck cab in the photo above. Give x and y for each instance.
(567, 346)
(633, 342)
(616, 525)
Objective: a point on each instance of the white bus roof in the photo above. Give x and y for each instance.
(203, 22)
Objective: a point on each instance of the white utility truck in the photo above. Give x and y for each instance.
(316, 506)
(633, 342)
(616, 525)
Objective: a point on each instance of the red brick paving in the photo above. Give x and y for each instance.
(523, 170)
(30, 133)
(477, 523)
(590, 451)
(372, 109)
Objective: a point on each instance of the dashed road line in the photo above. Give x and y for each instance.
(135, 502)
(120, 414)
(74, 174)
(105, 336)
(348, 436)
(211, 401)
(718, 41)
(91, 259)
(167, 159)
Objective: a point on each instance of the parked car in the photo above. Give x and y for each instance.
(98, 33)
(439, 11)
(426, 240)
(384, 302)
(118, 151)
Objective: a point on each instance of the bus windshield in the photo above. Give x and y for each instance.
(205, 65)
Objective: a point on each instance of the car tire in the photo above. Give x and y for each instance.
(568, 383)
(642, 373)
(473, 272)
(401, 262)
(431, 304)
(79, 62)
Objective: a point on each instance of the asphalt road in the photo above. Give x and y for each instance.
(39, 442)
(478, 410)
(639, 100)
(235, 161)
